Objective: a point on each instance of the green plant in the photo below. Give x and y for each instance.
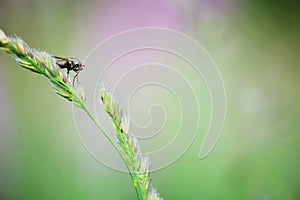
(127, 147)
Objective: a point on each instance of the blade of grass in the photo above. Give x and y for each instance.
(43, 63)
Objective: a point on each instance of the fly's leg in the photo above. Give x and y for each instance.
(76, 77)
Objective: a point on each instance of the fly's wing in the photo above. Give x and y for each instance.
(62, 62)
(59, 58)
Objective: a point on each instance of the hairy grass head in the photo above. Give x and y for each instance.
(130, 150)
(43, 63)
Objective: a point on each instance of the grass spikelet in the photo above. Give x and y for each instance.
(42, 63)
(129, 147)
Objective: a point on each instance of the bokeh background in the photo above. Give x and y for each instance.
(256, 46)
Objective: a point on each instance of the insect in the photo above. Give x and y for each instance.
(71, 64)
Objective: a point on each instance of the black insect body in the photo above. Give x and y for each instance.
(71, 64)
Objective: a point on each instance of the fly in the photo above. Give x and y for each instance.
(71, 64)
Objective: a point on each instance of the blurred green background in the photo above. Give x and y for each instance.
(256, 46)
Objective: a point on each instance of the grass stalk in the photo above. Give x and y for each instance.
(114, 146)
(128, 149)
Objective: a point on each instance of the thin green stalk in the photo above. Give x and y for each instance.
(128, 149)
(114, 146)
